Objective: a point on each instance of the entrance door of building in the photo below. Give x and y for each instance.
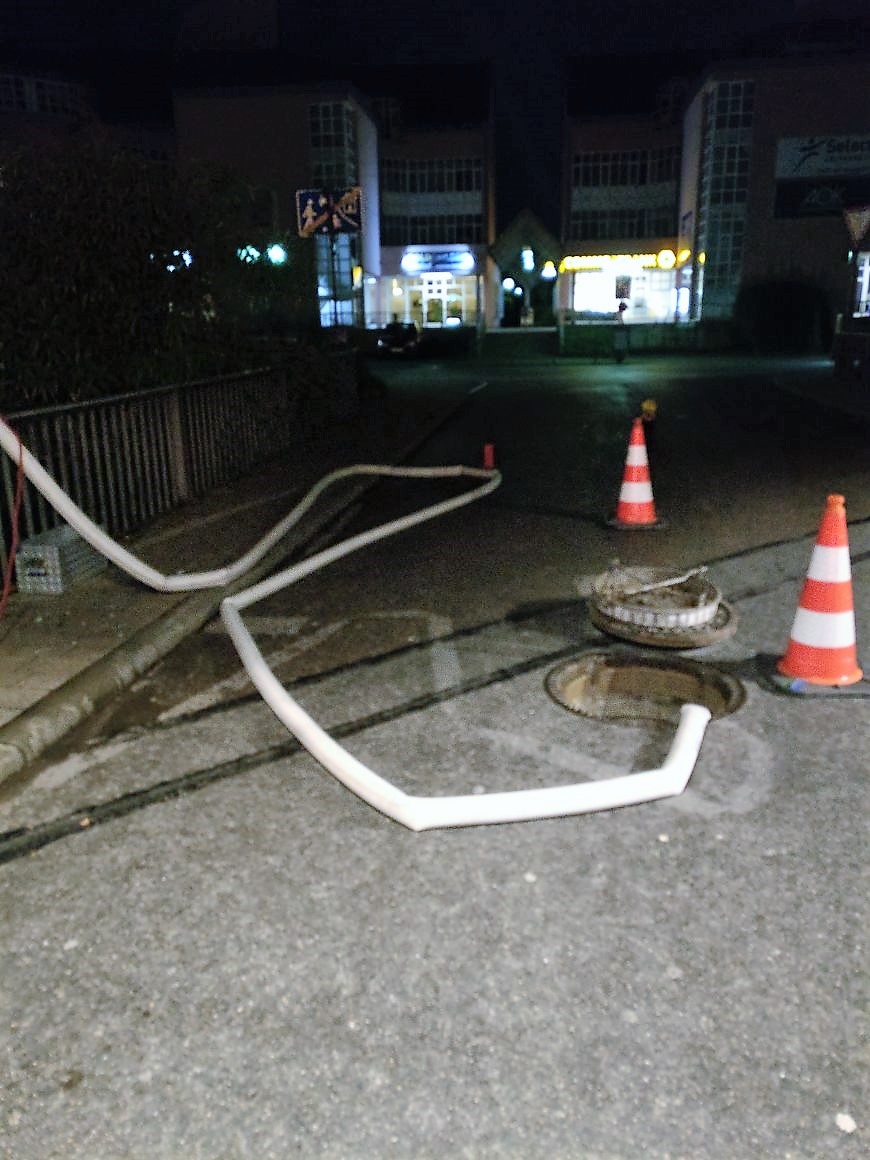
(442, 300)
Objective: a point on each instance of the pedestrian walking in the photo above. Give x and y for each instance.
(620, 337)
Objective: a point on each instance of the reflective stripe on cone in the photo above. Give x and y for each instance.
(822, 647)
(636, 506)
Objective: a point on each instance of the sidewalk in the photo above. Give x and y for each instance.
(66, 655)
(852, 398)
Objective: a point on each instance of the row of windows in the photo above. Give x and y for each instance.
(724, 255)
(13, 97)
(437, 175)
(388, 114)
(726, 190)
(332, 125)
(725, 169)
(724, 181)
(729, 165)
(24, 94)
(657, 221)
(731, 105)
(334, 171)
(626, 167)
(332, 134)
(731, 158)
(433, 229)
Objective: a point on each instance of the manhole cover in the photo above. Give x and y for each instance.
(612, 686)
(722, 626)
(660, 606)
(658, 598)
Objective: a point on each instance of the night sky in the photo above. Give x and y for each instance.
(385, 31)
(532, 49)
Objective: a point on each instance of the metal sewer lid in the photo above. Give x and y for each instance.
(657, 597)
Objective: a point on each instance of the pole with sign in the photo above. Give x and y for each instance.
(329, 213)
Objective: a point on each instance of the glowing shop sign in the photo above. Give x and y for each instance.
(438, 261)
(600, 261)
(663, 260)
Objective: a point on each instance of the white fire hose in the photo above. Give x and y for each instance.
(220, 577)
(417, 813)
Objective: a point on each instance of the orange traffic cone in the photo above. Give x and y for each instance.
(636, 508)
(822, 650)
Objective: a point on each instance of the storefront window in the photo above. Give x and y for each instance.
(432, 299)
(649, 292)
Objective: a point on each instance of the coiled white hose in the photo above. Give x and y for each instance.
(417, 813)
(220, 577)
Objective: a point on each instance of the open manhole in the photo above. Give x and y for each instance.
(613, 685)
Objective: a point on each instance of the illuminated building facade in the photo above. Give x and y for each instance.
(287, 138)
(774, 152)
(422, 253)
(621, 188)
(739, 178)
(437, 225)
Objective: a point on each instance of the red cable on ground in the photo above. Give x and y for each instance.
(13, 543)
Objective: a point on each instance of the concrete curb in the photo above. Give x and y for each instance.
(33, 731)
(29, 734)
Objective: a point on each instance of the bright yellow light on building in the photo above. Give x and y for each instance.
(702, 258)
(683, 257)
(666, 259)
(567, 265)
(599, 261)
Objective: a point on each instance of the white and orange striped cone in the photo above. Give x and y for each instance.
(636, 507)
(822, 646)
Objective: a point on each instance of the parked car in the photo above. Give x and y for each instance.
(402, 338)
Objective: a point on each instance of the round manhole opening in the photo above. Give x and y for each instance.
(614, 686)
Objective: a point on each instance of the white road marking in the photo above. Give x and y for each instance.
(573, 760)
(262, 626)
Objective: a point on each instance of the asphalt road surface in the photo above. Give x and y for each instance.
(213, 949)
(736, 463)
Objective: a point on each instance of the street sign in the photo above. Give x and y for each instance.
(325, 211)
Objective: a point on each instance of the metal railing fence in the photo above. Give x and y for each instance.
(129, 458)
